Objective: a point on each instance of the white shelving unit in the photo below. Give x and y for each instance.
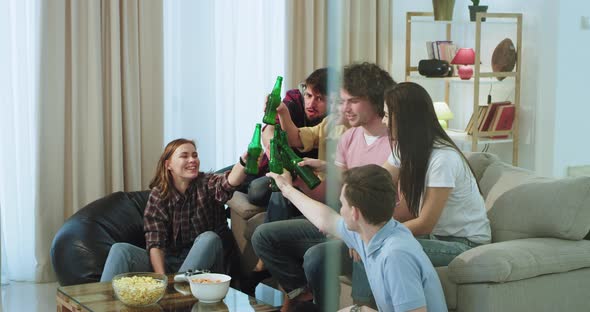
(479, 77)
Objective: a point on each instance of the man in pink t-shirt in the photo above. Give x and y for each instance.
(294, 250)
(367, 142)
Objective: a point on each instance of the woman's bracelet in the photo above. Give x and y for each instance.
(242, 162)
(355, 308)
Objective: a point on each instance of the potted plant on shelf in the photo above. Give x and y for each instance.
(443, 9)
(476, 8)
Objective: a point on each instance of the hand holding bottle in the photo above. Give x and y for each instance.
(282, 108)
(254, 152)
(316, 164)
(273, 101)
(275, 163)
(281, 180)
(304, 172)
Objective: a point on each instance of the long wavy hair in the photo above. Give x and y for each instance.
(163, 178)
(418, 132)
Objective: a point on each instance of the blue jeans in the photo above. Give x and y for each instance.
(441, 250)
(279, 208)
(326, 286)
(205, 253)
(259, 191)
(282, 246)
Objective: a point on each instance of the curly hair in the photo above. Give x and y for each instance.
(368, 80)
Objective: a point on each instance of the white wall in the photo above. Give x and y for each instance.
(572, 107)
(553, 106)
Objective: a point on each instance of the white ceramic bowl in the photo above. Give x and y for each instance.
(209, 287)
(140, 289)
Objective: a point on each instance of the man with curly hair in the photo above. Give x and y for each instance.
(294, 250)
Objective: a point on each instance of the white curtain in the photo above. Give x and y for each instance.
(19, 89)
(221, 58)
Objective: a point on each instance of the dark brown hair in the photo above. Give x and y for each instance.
(367, 80)
(163, 178)
(370, 189)
(418, 131)
(318, 80)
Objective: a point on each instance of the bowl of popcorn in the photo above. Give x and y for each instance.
(140, 289)
(209, 287)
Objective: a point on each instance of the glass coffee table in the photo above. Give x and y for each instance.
(99, 297)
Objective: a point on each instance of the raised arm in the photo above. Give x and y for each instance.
(322, 216)
(238, 174)
(288, 126)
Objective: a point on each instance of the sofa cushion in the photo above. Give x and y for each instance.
(239, 204)
(252, 224)
(449, 287)
(519, 259)
(479, 162)
(499, 178)
(538, 207)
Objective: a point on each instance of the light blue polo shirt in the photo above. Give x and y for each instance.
(401, 276)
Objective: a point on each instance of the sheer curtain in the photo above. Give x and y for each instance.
(221, 58)
(19, 63)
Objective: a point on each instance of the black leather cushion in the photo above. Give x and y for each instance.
(82, 244)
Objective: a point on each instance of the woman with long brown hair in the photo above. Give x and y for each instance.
(184, 221)
(435, 180)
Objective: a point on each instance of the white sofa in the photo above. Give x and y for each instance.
(539, 259)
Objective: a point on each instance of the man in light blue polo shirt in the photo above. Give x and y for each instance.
(401, 276)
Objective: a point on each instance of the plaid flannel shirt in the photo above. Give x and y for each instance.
(174, 224)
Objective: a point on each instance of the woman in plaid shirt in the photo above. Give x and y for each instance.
(184, 220)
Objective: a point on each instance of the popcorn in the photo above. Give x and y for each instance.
(139, 290)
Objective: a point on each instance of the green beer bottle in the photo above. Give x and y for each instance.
(254, 151)
(275, 163)
(274, 99)
(305, 172)
(281, 138)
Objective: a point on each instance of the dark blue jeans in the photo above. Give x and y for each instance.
(318, 261)
(299, 256)
(259, 191)
(282, 245)
(279, 208)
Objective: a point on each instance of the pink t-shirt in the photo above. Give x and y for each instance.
(353, 150)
